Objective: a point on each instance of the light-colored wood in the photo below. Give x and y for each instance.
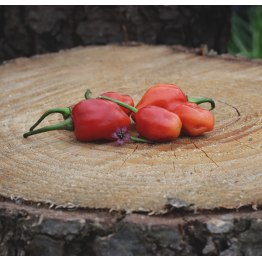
(222, 168)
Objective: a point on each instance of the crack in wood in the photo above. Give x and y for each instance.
(128, 157)
(208, 157)
(134, 150)
(231, 106)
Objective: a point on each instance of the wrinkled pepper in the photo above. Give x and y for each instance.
(154, 123)
(167, 96)
(90, 119)
(66, 112)
(195, 120)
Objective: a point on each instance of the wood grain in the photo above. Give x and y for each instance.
(222, 168)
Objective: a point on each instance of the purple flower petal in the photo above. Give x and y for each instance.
(118, 130)
(120, 142)
(121, 135)
(126, 137)
(124, 129)
(115, 135)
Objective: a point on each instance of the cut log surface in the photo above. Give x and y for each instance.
(219, 169)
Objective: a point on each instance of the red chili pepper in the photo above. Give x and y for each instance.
(195, 120)
(153, 122)
(157, 124)
(91, 119)
(167, 96)
(66, 112)
(123, 98)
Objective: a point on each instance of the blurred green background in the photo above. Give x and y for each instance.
(246, 32)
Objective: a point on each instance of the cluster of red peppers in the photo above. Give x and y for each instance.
(163, 113)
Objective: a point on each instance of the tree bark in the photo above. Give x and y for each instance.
(27, 230)
(30, 30)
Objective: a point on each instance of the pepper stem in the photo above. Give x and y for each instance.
(131, 108)
(66, 112)
(66, 125)
(202, 100)
(87, 94)
(136, 139)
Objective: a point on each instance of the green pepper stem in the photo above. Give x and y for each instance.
(202, 100)
(87, 94)
(66, 112)
(66, 125)
(136, 139)
(131, 108)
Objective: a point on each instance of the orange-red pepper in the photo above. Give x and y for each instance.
(167, 96)
(66, 112)
(195, 120)
(153, 122)
(157, 124)
(91, 119)
(95, 120)
(123, 98)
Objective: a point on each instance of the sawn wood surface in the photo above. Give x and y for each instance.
(222, 168)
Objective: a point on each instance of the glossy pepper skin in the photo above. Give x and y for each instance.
(123, 98)
(154, 123)
(157, 124)
(195, 120)
(95, 120)
(91, 120)
(167, 96)
(66, 112)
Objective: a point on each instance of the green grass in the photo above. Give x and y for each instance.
(246, 36)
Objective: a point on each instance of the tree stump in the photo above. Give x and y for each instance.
(102, 184)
